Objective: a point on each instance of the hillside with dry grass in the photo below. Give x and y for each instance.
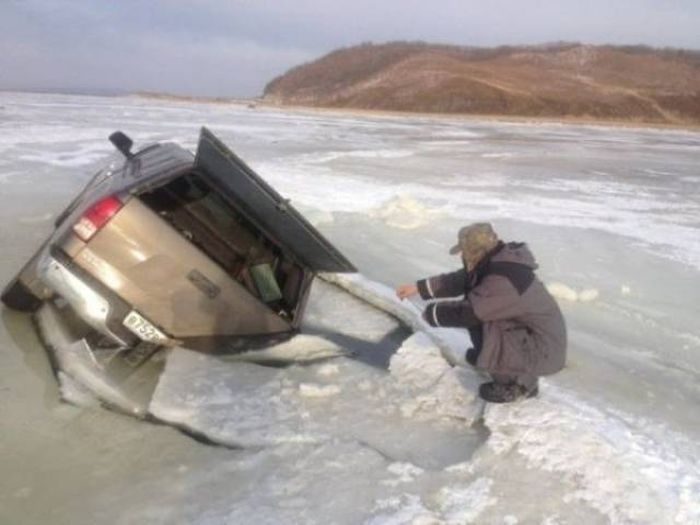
(631, 84)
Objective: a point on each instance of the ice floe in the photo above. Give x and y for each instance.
(564, 292)
(300, 348)
(420, 407)
(404, 212)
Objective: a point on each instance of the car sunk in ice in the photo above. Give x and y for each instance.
(165, 248)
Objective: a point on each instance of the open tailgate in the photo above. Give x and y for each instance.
(266, 208)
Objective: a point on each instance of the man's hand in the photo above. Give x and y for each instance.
(406, 290)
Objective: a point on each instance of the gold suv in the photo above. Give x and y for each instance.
(166, 248)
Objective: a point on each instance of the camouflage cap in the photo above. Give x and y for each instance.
(475, 241)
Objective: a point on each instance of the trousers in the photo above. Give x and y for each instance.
(527, 380)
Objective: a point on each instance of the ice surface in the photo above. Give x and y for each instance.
(464, 503)
(315, 390)
(598, 457)
(612, 216)
(246, 404)
(616, 468)
(75, 393)
(301, 347)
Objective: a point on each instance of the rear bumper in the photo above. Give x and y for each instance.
(109, 375)
(91, 306)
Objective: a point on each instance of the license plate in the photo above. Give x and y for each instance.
(143, 328)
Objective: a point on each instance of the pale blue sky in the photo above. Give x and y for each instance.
(233, 48)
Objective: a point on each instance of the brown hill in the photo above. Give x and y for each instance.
(559, 80)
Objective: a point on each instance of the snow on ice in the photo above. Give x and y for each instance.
(330, 426)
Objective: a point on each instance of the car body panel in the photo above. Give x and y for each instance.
(148, 264)
(93, 307)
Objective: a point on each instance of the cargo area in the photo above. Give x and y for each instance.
(203, 216)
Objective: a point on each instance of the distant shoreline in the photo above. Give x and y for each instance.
(261, 104)
(514, 119)
(258, 103)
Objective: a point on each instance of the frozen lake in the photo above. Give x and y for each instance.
(613, 216)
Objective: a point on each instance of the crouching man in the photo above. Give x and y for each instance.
(516, 327)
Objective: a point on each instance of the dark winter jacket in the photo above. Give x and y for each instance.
(523, 328)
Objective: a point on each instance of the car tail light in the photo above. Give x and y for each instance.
(94, 219)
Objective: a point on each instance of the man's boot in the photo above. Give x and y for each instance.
(494, 392)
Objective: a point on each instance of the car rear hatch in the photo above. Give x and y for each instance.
(266, 208)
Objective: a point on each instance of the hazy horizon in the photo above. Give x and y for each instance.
(232, 49)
